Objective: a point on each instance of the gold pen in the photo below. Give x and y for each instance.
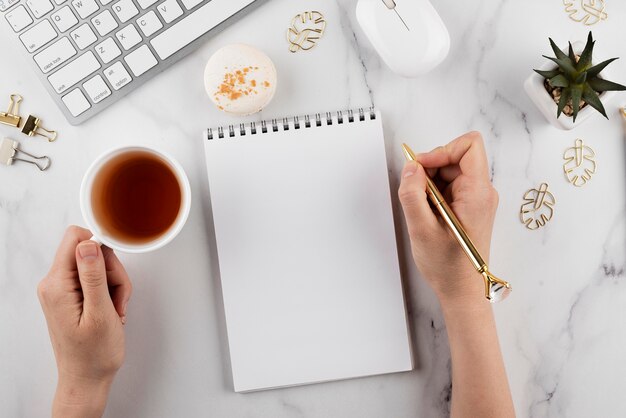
(496, 290)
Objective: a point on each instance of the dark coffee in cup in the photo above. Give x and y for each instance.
(136, 197)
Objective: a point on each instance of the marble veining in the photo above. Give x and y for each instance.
(562, 330)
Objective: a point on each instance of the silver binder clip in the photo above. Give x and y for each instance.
(11, 117)
(33, 127)
(9, 149)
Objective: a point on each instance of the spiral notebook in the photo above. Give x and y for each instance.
(307, 250)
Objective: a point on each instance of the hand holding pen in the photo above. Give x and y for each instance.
(461, 170)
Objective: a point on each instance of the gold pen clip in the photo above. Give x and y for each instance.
(11, 117)
(33, 127)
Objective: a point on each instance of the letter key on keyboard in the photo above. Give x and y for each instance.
(64, 19)
(125, 10)
(85, 8)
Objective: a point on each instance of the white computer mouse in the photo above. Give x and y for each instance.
(409, 35)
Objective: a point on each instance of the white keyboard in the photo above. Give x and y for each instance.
(90, 53)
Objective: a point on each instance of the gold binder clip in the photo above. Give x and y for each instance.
(33, 127)
(11, 116)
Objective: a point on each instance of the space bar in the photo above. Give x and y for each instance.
(195, 25)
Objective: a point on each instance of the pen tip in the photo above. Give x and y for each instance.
(408, 152)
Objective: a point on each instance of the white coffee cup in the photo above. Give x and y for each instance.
(100, 234)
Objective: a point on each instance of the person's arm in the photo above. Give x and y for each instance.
(84, 298)
(479, 383)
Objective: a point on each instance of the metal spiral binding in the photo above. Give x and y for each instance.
(295, 122)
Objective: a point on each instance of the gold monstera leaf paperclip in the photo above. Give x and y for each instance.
(306, 29)
(588, 12)
(580, 163)
(538, 207)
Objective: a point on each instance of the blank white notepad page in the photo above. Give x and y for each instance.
(307, 254)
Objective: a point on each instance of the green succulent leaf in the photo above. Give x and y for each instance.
(571, 54)
(585, 57)
(548, 74)
(593, 100)
(595, 70)
(565, 96)
(581, 79)
(559, 81)
(600, 85)
(577, 95)
(564, 64)
(557, 51)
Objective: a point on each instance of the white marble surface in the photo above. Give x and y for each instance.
(562, 331)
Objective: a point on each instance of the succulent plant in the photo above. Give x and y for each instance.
(578, 79)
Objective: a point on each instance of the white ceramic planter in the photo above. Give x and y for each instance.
(537, 92)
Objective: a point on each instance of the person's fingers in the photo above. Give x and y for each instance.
(119, 284)
(93, 277)
(449, 173)
(467, 151)
(65, 259)
(432, 172)
(412, 193)
(475, 191)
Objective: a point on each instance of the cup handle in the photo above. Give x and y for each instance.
(96, 240)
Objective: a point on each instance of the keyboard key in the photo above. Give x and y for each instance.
(140, 60)
(149, 23)
(39, 7)
(83, 36)
(60, 2)
(74, 72)
(128, 37)
(105, 2)
(125, 10)
(144, 4)
(97, 89)
(170, 10)
(85, 8)
(108, 50)
(117, 75)
(190, 4)
(195, 25)
(19, 18)
(76, 102)
(55, 55)
(37, 36)
(64, 19)
(5, 4)
(104, 23)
